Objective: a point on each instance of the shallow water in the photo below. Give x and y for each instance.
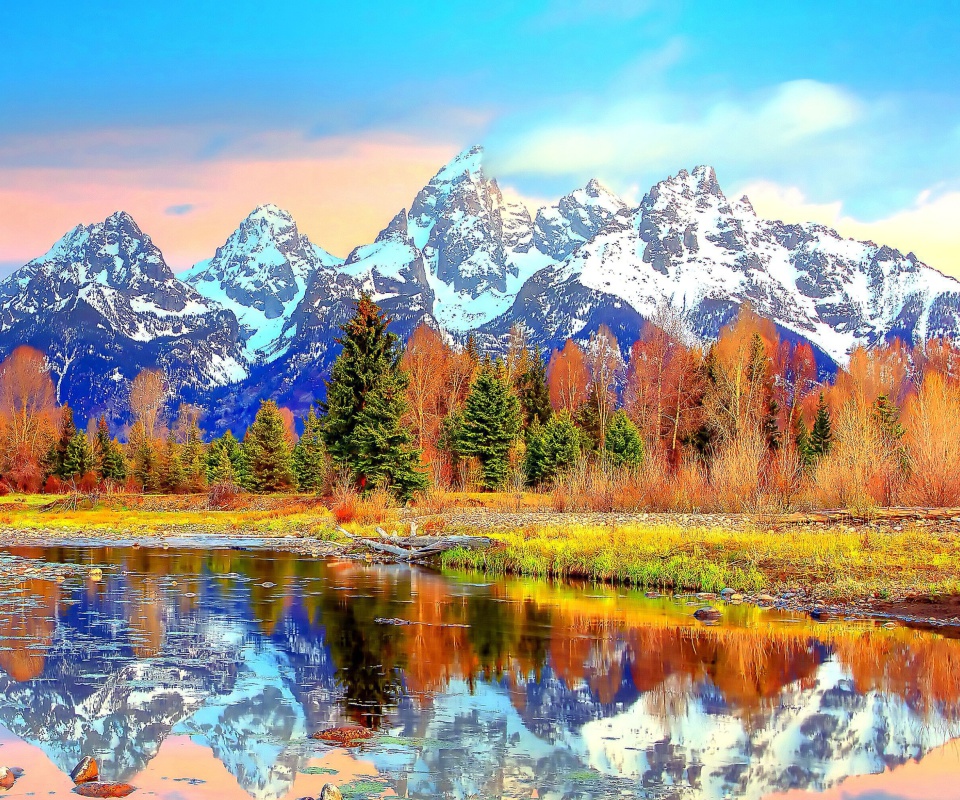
(201, 673)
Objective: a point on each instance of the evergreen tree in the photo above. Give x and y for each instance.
(144, 459)
(109, 457)
(533, 392)
(588, 420)
(240, 467)
(552, 447)
(221, 469)
(172, 475)
(193, 459)
(821, 435)
(888, 418)
(113, 466)
(310, 456)
(802, 439)
(58, 450)
(79, 458)
(623, 445)
(490, 423)
(362, 424)
(268, 452)
(771, 425)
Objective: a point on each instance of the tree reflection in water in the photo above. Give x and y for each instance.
(501, 687)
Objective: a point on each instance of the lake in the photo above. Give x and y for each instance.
(201, 672)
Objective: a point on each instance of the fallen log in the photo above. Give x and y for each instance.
(415, 548)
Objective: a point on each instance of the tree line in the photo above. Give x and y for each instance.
(744, 422)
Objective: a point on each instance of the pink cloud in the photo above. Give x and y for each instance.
(340, 192)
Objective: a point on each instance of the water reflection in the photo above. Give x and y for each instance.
(504, 688)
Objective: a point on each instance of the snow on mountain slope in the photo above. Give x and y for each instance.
(261, 274)
(812, 739)
(688, 245)
(577, 218)
(103, 304)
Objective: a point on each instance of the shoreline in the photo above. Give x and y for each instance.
(940, 613)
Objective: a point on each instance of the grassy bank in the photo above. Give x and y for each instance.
(663, 551)
(829, 562)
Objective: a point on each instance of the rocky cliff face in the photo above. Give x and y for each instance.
(261, 274)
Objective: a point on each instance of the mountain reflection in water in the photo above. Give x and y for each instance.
(500, 688)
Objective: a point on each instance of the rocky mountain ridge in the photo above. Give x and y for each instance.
(259, 319)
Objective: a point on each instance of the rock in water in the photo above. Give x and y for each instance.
(330, 792)
(7, 778)
(86, 771)
(98, 789)
(707, 614)
(345, 735)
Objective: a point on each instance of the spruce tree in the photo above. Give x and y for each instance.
(172, 474)
(623, 445)
(310, 456)
(533, 392)
(801, 438)
(552, 447)
(144, 459)
(771, 425)
(588, 420)
(362, 424)
(110, 462)
(58, 450)
(79, 458)
(821, 435)
(239, 468)
(221, 469)
(268, 452)
(113, 466)
(490, 423)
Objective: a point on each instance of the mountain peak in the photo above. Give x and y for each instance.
(469, 162)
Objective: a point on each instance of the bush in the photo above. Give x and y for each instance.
(222, 495)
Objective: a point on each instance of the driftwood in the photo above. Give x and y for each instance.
(414, 548)
(845, 515)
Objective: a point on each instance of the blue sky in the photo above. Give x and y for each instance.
(848, 112)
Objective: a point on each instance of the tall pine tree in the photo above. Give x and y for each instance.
(533, 392)
(821, 435)
(110, 461)
(58, 450)
(490, 424)
(310, 456)
(268, 452)
(366, 400)
(79, 458)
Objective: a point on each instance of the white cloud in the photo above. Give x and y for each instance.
(929, 227)
(644, 133)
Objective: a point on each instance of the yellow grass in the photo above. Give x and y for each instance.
(829, 562)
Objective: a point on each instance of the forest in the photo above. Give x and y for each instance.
(741, 424)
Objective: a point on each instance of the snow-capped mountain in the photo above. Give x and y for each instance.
(458, 256)
(261, 274)
(688, 245)
(260, 318)
(103, 304)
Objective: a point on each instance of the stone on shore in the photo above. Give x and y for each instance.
(86, 771)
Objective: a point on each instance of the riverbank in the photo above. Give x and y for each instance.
(901, 567)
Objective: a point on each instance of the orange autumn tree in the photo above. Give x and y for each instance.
(28, 417)
(664, 383)
(568, 378)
